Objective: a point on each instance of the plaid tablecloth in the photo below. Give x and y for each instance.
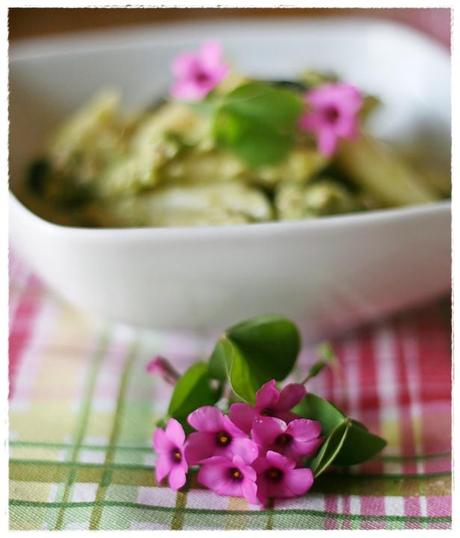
(82, 411)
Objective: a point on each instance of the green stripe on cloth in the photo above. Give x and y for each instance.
(95, 364)
(107, 469)
(217, 512)
(177, 521)
(52, 472)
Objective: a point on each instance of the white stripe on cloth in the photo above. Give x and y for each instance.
(412, 364)
(385, 356)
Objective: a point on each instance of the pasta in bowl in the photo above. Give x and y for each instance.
(225, 149)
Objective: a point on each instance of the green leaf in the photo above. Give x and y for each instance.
(271, 342)
(316, 408)
(217, 360)
(255, 351)
(361, 445)
(359, 424)
(258, 122)
(327, 357)
(228, 358)
(330, 448)
(192, 390)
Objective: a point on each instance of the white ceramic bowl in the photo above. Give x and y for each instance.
(327, 274)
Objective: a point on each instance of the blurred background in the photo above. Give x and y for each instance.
(36, 22)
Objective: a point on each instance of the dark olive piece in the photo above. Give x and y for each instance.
(37, 175)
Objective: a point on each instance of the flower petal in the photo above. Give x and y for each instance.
(281, 462)
(211, 54)
(297, 482)
(306, 448)
(231, 428)
(261, 464)
(160, 441)
(216, 459)
(175, 432)
(290, 396)
(247, 470)
(347, 127)
(304, 429)
(262, 491)
(162, 467)
(267, 395)
(348, 98)
(287, 416)
(185, 64)
(245, 449)
(311, 121)
(189, 90)
(206, 419)
(327, 141)
(322, 95)
(212, 473)
(199, 446)
(266, 429)
(217, 74)
(249, 490)
(242, 415)
(177, 477)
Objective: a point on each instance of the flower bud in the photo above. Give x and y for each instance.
(163, 368)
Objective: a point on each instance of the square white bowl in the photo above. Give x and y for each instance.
(327, 274)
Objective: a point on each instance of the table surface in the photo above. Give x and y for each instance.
(83, 409)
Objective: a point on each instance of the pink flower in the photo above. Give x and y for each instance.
(278, 478)
(300, 438)
(333, 114)
(171, 462)
(198, 73)
(216, 435)
(233, 475)
(269, 402)
(163, 368)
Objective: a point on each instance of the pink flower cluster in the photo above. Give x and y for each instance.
(255, 452)
(331, 109)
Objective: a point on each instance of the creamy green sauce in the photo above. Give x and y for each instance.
(161, 168)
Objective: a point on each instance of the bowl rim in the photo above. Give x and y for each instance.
(258, 229)
(138, 36)
(101, 39)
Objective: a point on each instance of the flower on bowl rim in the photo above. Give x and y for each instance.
(332, 113)
(197, 73)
